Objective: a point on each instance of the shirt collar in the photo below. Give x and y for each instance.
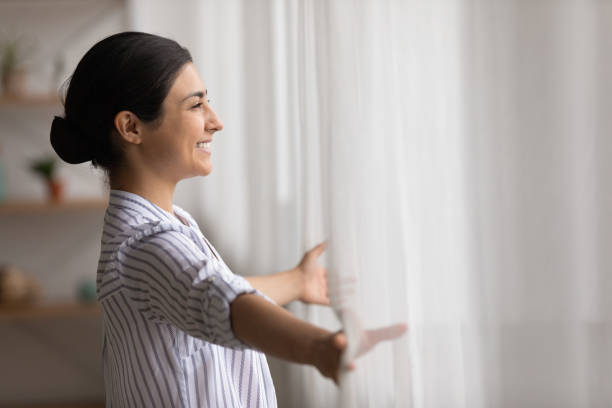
(141, 205)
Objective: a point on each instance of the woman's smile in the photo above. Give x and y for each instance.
(204, 146)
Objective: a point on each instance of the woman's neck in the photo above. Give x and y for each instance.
(159, 192)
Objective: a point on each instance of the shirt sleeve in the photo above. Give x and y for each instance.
(173, 281)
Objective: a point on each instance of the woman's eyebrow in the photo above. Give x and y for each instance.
(199, 94)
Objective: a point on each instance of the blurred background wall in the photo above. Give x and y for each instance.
(49, 356)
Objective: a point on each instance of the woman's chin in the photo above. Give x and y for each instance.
(203, 166)
(205, 171)
(200, 171)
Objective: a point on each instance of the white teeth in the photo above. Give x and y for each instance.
(205, 145)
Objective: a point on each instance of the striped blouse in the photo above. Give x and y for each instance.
(165, 295)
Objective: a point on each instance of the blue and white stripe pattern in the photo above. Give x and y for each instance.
(165, 294)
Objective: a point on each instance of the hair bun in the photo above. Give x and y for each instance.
(69, 144)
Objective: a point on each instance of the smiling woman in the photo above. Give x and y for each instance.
(180, 328)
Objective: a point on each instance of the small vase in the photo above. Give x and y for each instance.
(56, 190)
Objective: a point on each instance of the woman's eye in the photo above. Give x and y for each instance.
(200, 104)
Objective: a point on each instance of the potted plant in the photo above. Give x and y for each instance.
(45, 167)
(12, 68)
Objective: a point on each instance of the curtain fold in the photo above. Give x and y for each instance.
(454, 153)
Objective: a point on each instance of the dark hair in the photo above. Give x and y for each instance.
(130, 71)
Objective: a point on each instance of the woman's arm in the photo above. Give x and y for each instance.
(306, 282)
(282, 287)
(275, 331)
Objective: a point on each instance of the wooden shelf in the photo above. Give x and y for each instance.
(49, 311)
(30, 100)
(16, 207)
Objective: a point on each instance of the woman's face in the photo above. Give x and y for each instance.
(179, 147)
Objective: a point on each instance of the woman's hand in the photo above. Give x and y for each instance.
(306, 282)
(313, 277)
(327, 354)
(363, 340)
(330, 351)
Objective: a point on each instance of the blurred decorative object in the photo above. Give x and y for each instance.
(16, 288)
(86, 291)
(13, 72)
(45, 167)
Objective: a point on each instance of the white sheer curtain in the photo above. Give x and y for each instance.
(454, 153)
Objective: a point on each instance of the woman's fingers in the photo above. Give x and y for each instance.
(341, 290)
(388, 333)
(319, 248)
(372, 337)
(369, 339)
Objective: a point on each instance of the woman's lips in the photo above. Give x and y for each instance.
(203, 146)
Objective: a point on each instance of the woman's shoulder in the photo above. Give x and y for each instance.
(131, 231)
(122, 222)
(125, 227)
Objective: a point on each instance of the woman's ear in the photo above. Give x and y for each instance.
(129, 127)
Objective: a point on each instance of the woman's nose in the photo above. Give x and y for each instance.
(213, 121)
